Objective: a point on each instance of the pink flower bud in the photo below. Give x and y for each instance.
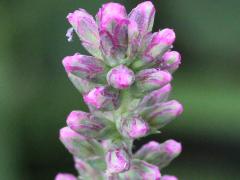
(143, 152)
(114, 45)
(166, 36)
(113, 27)
(85, 169)
(168, 177)
(161, 154)
(172, 148)
(134, 40)
(161, 114)
(120, 77)
(149, 171)
(154, 46)
(156, 96)
(152, 79)
(110, 12)
(87, 29)
(77, 144)
(83, 66)
(143, 15)
(117, 160)
(159, 44)
(134, 127)
(170, 61)
(65, 176)
(84, 123)
(101, 98)
(142, 170)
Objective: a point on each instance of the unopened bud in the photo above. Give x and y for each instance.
(117, 160)
(170, 61)
(152, 79)
(87, 30)
(143, 15)
(155, 46)
(161, 154)
(79, 145)
(84, 123)
(156, 96)
(161, 114)
(83, 66)
(142, 170)
(134, 127)
(120, 77)
(101, 98)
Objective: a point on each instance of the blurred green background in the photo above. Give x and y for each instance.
(36, 96)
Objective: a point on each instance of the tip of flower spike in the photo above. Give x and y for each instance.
(65, 176)
(173, 147)
(111, 10)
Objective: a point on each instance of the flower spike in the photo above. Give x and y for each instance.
(126, 85)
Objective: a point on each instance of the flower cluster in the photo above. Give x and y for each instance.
(126, 85)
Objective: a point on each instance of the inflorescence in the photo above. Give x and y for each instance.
(126, 85)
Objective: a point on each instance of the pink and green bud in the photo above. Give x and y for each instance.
(77, 144)
(168, 177)
(113, 27)
(65, 176)
(161, 154)
(161, 114)
(142, 170)
(118, 160)
(84, 123)
(143, 15)
(166, 36)
(169, 150)
(157, 96)
(170, 61)
(87, 30)
(134, 40)
(152, 79)
(154, 46)
(109, 15)
(83, 66)
(120, 77)
(159, 44)
(134, 127)
(101, 98)
(86, 170)
(145, 150)
(149, 171)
